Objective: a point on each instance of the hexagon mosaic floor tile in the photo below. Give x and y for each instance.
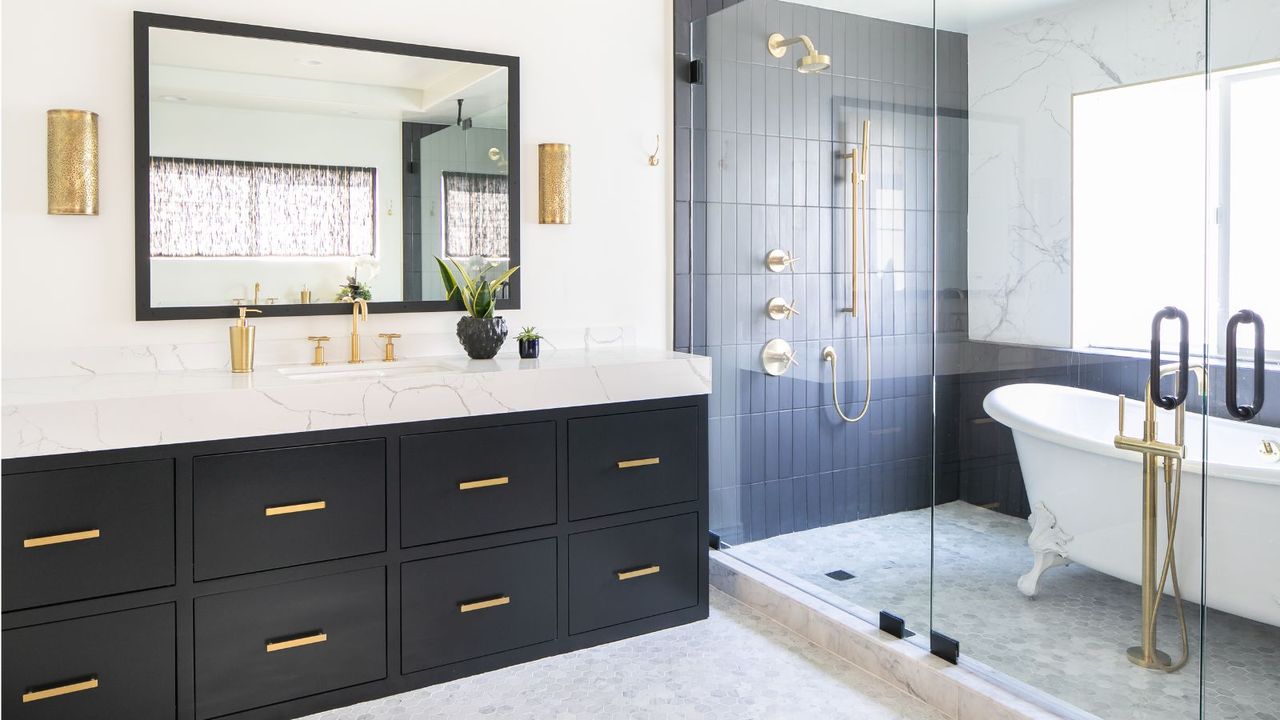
(736, 665)
(1069, 641)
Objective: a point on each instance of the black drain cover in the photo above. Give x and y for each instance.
(840, 575)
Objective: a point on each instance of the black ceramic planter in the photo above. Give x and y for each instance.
(482, 337)
(529, 348)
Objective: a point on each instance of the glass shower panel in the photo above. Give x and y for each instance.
(1077, 151)
(803, 301)
(1242, 490)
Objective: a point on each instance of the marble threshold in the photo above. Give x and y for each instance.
(103, 411)
(955, 690)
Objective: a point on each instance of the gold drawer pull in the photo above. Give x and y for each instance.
(297, 642)
(624, 464)
(89, 684)
(490, 482)
(638, 572)
(482, 604)
(300, 507)
(63, 538)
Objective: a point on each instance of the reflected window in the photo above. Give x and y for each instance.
(476, 216)
(223, 208)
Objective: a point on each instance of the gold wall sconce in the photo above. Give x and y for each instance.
(73, 162)
(555, 184)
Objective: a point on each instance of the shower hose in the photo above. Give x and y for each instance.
(829, 353)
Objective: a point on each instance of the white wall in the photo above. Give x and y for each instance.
(222, 133)
(1022, 78)
(68, 281)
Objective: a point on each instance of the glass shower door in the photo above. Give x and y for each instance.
(1079, 245)
(803, 112)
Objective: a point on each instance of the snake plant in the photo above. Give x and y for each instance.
(478, 294)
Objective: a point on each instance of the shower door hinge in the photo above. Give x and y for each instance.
(697, 72)
(894, 625)
(713, 541)
(944, 647)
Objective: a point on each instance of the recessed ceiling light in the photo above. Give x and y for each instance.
(173, 98)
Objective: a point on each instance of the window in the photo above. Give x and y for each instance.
(1144, 235)
(223, 208)
(477, 214)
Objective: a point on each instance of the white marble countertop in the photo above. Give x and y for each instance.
(53, 415)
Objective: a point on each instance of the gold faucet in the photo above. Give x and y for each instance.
(1147, 655)
(359, 307)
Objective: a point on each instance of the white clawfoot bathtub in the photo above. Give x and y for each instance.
(1086, 495)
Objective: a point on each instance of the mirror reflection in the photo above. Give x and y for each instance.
(285, 173)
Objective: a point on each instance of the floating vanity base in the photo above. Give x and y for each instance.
(277, 576)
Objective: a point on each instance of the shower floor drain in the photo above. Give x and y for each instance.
(841, 575)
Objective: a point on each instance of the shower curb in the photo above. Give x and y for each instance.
(952, 689)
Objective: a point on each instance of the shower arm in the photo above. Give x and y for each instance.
(786, 42)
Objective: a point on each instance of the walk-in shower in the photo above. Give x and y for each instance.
(926, 265)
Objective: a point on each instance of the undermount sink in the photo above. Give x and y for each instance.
(368, 369)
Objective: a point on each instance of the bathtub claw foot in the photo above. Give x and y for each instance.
(1048, 545)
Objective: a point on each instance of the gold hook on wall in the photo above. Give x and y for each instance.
(657, 145)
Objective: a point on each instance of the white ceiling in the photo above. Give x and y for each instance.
(957, 15)
(231, 71)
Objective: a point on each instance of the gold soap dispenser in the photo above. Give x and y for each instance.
(242, 337)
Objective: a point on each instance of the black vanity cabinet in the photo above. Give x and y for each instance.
(277, 576)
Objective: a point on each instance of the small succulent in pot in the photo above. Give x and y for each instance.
(480, 332)
(528, 339)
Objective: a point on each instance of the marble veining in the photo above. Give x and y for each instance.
(1022, 78)
(47, 416)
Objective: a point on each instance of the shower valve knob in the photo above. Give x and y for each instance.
(778, 309)
(779, 260)
(777, 357)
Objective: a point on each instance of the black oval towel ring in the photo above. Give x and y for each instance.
(1246, 412)
(1166, 401)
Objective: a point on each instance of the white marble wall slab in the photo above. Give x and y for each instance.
(101, 411)
(1022, 77)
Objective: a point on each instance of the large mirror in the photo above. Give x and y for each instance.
(290, 171)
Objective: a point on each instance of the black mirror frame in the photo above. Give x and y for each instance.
(143, 22)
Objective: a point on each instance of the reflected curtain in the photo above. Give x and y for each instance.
(224, 208)
(477, 215)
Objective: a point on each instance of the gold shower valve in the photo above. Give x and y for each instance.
(779, 309)
(778, 260)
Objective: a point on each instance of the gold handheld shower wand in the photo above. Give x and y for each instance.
(858, 182)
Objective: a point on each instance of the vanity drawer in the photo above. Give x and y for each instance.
(478, 603)
(268, 509)
(85, 532)
(464, 483)
(118, 665)
(266, 645)
(632, 461)
(633, 571)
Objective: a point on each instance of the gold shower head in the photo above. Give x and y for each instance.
(812, 62)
